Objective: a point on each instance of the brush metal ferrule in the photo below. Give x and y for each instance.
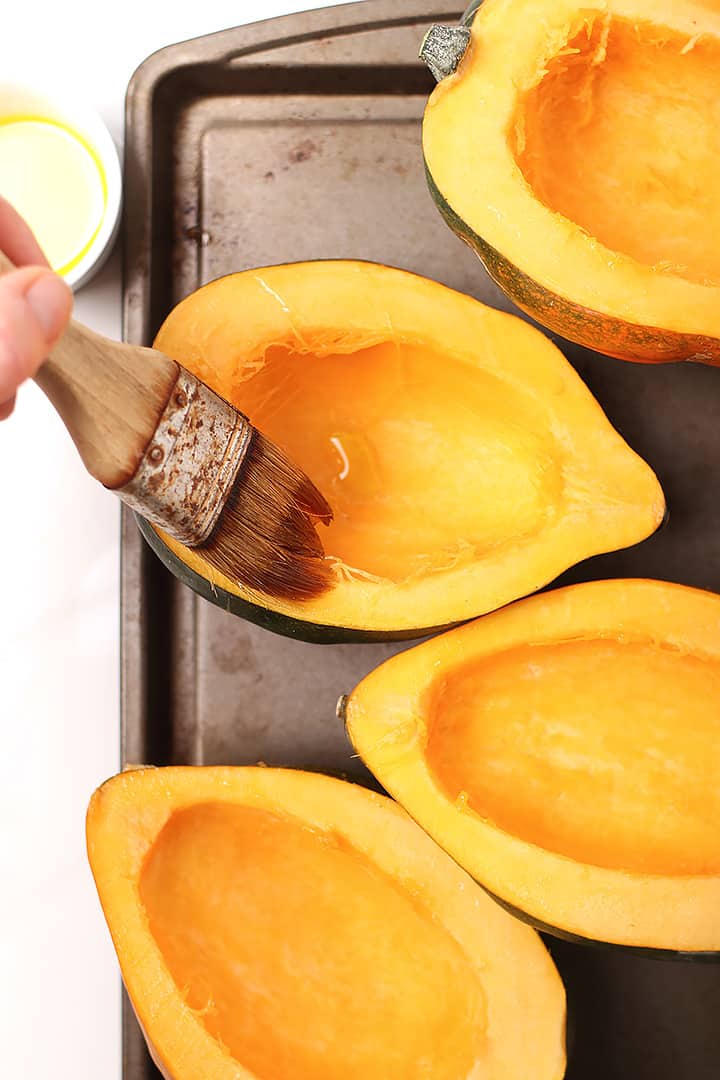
(190, 465)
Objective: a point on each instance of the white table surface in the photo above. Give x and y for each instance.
(59, 553)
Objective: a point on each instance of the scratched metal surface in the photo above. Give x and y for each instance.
(295, 139)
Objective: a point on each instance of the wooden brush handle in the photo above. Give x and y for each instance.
(110, 397)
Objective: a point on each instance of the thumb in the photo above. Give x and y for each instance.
(35, 306)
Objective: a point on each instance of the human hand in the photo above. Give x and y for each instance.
(35, 306)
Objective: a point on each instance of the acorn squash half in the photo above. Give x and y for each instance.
(575, 149)
(464, 459)
(566, 752)
(288, 926)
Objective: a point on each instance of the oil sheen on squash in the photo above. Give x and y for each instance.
(301, 957)
(465, 462)
(620, 136)
(602, 750)
(393, 449)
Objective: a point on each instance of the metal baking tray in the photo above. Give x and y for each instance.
(298, 138)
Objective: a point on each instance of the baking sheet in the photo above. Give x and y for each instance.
(299, 138)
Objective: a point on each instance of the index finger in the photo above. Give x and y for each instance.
(16, 238)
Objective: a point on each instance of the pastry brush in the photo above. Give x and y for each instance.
(189, 462)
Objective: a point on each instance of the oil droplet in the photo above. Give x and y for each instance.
(462, 802)
(343, 457)
(357, 464)
(53, 179)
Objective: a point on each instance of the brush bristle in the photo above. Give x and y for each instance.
(266, 538)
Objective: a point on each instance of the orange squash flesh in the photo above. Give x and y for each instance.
(465, 461)
(566, 751)
(277, 925)
(578, 747)
(391, 444)
(617, 137)
(574, 149)
(240, 941)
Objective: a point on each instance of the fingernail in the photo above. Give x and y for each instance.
(51, 300)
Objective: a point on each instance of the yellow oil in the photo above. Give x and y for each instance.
(54, 179)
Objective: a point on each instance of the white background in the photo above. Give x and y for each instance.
(59, 566)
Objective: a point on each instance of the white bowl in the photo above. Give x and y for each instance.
(19, 100)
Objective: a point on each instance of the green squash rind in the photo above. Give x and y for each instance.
(649, 951)
(601, 333)
(277, 622)
(470, 12)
